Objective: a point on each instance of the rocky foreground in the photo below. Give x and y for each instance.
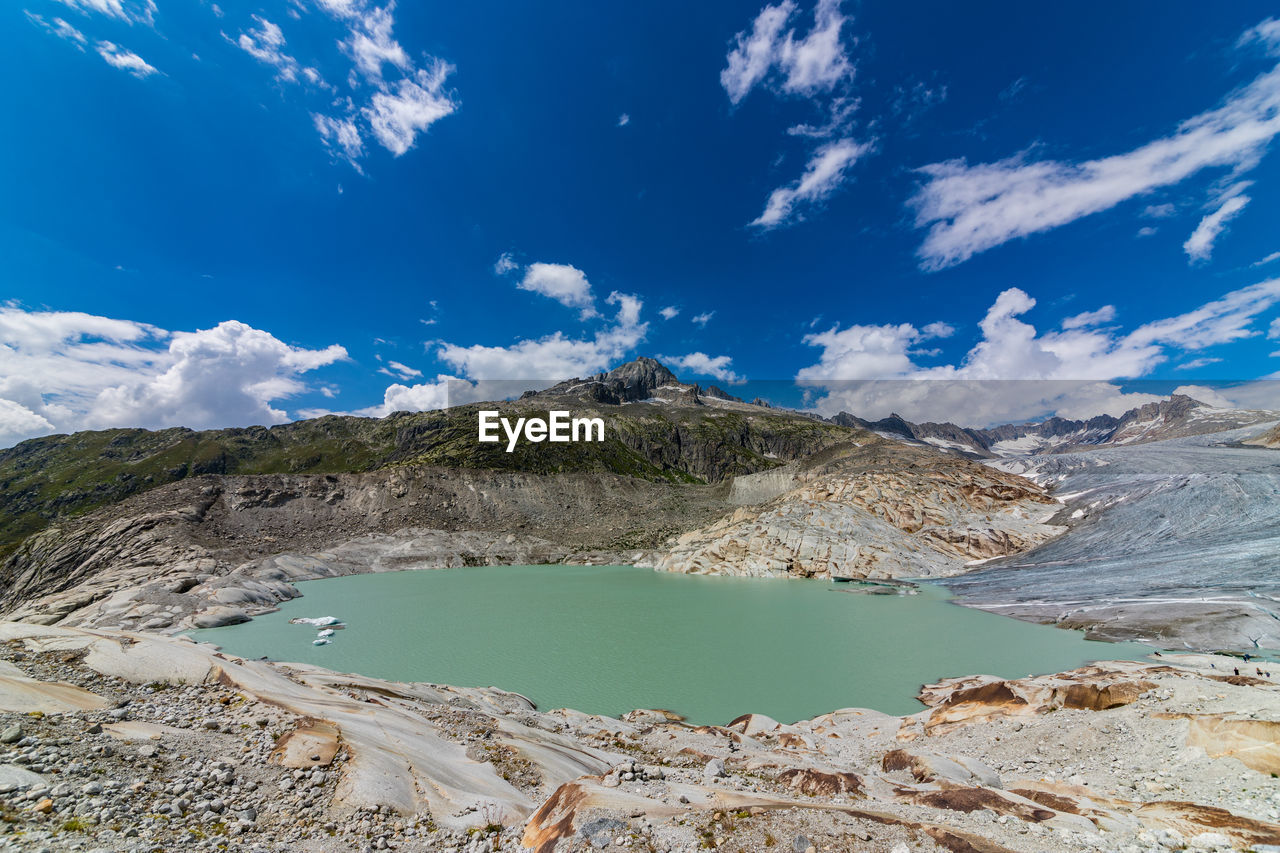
(127, 741)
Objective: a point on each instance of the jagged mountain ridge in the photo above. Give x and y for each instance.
(1177, 417)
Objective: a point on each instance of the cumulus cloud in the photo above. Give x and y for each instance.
(969, 209)
(704, 365)
(62, 371)
(824, 174)
(1072, 367)
(565, 284)
(125, 60)
(1199, 246)
(554, 356)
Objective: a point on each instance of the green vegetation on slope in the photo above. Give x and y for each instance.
(47, 479)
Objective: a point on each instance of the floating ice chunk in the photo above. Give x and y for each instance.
(318, 621)
(325, 632)
(321, 641)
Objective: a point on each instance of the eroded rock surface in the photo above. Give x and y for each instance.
(866, 514)
(184, 745)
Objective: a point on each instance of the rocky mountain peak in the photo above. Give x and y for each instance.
(637, 380)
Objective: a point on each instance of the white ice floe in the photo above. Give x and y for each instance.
(318, 621)
(325, 632)
(321, 641)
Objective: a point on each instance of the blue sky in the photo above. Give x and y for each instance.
(235, 213)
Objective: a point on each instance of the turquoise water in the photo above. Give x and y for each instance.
(610, 639)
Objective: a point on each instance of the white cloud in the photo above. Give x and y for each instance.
(1266, 34)
(1074, 364)
(266, 44)
(802, 66)
(555, 356)
(505, 264)
(1147, 231)
(403, 371)
(826, 171)
(1197, 363)
(972, 208)
(418, 102)
(65, 371)
(669, 312)
(565, 284)
(393, 100)
(1105, 314)
(702, 319)
(1273, 331)
(624, 120)
(1199, 246)
(371, 45)
(816, 67)
(130, 11)
(125, 60)
(704, 365)
(1159, 211)
(59, 28)
(1274, 256)
(341, 137)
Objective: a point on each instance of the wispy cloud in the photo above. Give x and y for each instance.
(395, 96)
(815, 66)
(125, 60)
(972, 208)
(1274, 256)
(624, 120)
(266, 43)
(787, 63)
(59, 28)
(130, 11)
(1199, 246)
(702, 319)
(825, 173)
(669, 312)
(398, 114)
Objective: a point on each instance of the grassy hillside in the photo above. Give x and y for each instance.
(49, 478)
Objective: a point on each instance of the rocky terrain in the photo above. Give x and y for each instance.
(787, 495)
(120, 741)
(876, 511)
(117, 735)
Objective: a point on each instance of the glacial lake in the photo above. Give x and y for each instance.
(606, 640)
